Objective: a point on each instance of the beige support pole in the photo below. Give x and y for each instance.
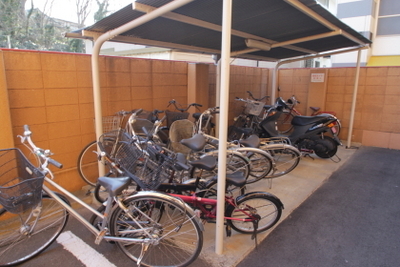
(353, 105)
(96, 52)
(223, 123)
(6, 137)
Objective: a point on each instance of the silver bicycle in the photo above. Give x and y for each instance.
(151, 228)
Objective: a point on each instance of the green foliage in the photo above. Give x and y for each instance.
(33, 29)
(102, 11)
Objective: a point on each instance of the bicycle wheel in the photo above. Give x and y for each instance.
(235, 163)
(24, 235)
(284, 122)
(175, 230)
(212, 188)
(88, 162)
(265, 205)
(260, 163)
(286, 158)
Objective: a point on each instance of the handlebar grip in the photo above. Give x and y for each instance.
(55, 163)
(196, 105)
(27, 131)
(138, 111)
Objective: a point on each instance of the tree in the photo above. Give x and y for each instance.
(102, 12)
(12, 21)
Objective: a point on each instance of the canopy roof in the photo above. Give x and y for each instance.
(268, 30)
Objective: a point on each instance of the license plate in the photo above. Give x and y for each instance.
(331, 125)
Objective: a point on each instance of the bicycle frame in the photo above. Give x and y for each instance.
(100, 234)
(210, 213)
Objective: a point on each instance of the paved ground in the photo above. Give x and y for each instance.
(293, 189)
(351, 220)
(286, 244)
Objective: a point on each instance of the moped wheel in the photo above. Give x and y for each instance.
(329, 149)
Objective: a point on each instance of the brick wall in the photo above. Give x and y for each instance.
(52, 92)
(377, 113)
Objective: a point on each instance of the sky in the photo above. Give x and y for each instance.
(65, 9)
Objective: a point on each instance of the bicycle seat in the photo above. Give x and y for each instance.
(114, 185)
(236, 179)
(315, 109)
(196, 143)
(207, 163)
(252, 141)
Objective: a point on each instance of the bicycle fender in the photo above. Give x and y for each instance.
(261, 193)
(176, 200)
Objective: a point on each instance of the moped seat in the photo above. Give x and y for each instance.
(305, 120)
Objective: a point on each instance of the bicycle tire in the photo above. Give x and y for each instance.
(286, 158)
(166, 217)
(266, 205)
(260, 163)
(284, 122)
(87, 164)
(16, 245)
(212, 188)
(235, 162)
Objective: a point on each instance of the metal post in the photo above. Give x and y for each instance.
(353, 105)
(96, 52)
(223, 123)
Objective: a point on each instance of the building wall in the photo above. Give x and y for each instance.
(52, 92)
(377, 20)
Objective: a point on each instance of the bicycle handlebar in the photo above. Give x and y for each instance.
(257, 99)
(174, 102)
(39, 152)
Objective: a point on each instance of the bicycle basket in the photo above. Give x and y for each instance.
(111, 123)
(147, 172)
(20, 182)
(179, 130)
(139, 124)
(107, 141)
(254, 107)
(174, 116)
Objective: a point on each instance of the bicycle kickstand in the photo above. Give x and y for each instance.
(255, 225)
(144, 249)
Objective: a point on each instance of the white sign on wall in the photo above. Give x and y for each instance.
(317, 77)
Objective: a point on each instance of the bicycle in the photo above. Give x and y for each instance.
(284, 122)
(87, 164)
(249, 213)
(253, 113)
(151, 228)
(282, 157)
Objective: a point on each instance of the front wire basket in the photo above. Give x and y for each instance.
(254, 107)
(20, 182)
(148, 171)
(111, 123)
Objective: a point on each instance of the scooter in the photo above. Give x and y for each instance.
(310, 133)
